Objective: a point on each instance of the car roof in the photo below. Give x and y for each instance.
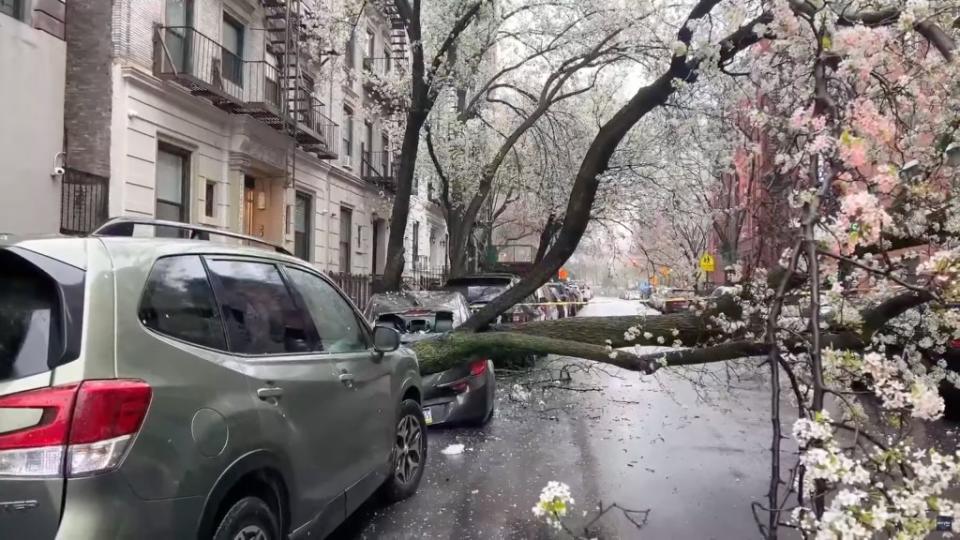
(131, 251)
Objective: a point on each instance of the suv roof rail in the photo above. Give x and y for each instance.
(123, 226)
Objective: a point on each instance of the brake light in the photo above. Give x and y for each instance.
(478, 367)
(955, 344)
(84, 428)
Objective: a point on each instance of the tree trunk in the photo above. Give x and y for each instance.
(393, 267)
(420, 104)
(596, 338)
(457, 243)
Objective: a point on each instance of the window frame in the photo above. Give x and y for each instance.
(17, 12)
(348, 121)
(308, 223)
(186, 174)
(227, 19)
(364, 326)
(351, 61)
(216, 306)
(346, 255)
(298, 302)
(210, 199)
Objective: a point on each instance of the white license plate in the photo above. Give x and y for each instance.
(428, 416)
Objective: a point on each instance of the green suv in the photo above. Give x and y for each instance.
(179, 389)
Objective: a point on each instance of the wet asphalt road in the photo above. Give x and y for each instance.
(690, 447)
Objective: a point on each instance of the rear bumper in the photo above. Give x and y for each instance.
(470, 406)
(105, 506)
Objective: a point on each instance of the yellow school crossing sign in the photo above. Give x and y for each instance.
(707, 264)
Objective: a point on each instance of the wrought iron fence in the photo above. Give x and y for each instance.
(83, 202)
(359, 287)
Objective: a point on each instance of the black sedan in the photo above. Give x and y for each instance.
(464, 394)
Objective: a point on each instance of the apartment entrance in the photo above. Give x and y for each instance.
(263, 208)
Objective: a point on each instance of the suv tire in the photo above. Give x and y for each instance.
(409, 455)
(248, 519)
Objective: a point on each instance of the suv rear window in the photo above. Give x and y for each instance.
(178, 302)
(31, 339)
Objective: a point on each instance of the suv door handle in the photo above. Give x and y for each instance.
(347, 379)
(269, 393)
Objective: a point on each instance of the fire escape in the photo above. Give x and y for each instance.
(274, 90)
(380, 168)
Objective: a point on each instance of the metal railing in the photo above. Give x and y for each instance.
(379, 66)
(256, 87)
(357, 287)
(186, 54)
(378, 165)
(83, 202)
(262, 84)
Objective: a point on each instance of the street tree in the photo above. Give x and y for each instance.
(860, 106)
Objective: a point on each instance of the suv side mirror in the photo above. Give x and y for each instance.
(385, 339)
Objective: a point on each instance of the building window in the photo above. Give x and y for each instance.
(302, 226)
(348, 135)
(232, 49)
(346, 227)
(178, 16)
(13, 8)
(430, 191)
(173, 182)
(416, 244)
(386, 60)
(385, 154)
(368, 144)
(349, 52)
(371, 47)
(209, 201)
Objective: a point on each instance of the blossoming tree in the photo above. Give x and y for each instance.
(862, 118)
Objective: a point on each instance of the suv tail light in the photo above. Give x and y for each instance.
(84, 428)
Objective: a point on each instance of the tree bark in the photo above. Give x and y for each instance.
(420, 105)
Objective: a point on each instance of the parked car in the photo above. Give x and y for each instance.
(463, 394)
(630, 294)
(480, 289)
(168, 388)
(548, 307)
(574, 297)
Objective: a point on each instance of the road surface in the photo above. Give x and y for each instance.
(689, 447)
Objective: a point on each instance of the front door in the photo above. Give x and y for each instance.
(306, 411)
(374, 262)
(363, 373)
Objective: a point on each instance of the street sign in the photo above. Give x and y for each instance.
(707, 264)
(665, 270)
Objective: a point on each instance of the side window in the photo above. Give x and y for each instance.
(336, 322)
(258, 309)
(177, 301)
